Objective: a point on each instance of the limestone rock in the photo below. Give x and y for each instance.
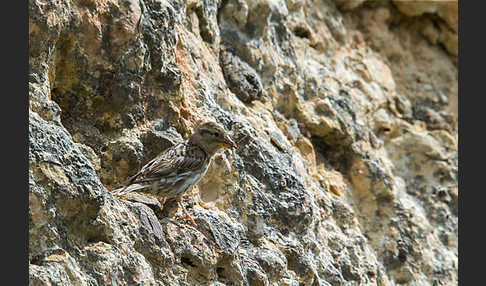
(345, 114)
(242, 79)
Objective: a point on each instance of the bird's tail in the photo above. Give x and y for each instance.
(128, 189)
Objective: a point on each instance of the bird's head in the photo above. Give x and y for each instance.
(211, 137)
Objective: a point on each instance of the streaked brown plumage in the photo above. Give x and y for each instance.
(180, 167)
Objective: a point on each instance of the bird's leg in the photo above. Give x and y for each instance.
(188, 217)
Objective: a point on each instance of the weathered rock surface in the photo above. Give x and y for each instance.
(346, 117)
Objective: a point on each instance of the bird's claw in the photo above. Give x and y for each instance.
(188, 217)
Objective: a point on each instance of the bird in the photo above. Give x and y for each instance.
(180, 167)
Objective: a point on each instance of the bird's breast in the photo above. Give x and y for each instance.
(196, 176)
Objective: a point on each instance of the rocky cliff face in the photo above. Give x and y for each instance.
(346, 117)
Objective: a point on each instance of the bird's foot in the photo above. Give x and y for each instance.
(188, 217)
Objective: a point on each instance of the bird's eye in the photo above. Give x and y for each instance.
(216, 134)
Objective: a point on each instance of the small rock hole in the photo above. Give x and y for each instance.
(302, 32)
(187, 261)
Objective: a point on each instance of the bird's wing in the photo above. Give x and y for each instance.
(172, 162)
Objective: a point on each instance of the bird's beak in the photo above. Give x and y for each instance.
(228, 143)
